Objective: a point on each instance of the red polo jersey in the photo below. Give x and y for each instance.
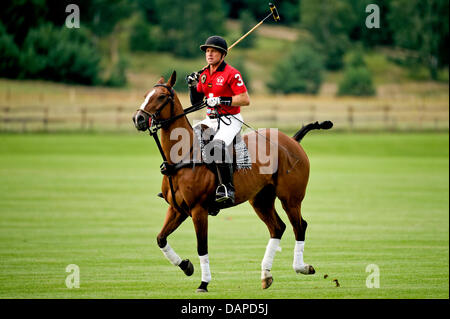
(225, 81)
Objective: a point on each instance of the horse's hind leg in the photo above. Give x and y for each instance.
(293, 210)
(263, 203)
(172, 221)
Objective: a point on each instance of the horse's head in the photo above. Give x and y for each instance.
(155, 102)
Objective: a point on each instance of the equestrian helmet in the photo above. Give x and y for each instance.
(215, 42)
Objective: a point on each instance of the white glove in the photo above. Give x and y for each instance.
(213, 101)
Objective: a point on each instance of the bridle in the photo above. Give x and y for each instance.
(158, 123)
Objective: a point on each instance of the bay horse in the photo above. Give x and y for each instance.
(188, 191)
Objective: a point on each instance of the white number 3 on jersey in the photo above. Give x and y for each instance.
(238, 76)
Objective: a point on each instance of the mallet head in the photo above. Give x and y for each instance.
(274, 11)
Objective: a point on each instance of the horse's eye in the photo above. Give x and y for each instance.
(161, 97)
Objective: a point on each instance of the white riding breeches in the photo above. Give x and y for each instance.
(230, 126)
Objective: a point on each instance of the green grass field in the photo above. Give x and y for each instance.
(90, 200)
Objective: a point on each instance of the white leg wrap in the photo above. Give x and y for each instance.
(266, 264)
(298, 264)
(171, 255)
(204, 265)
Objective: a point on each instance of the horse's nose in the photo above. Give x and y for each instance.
(140, 121)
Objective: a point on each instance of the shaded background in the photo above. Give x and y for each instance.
(319, 60)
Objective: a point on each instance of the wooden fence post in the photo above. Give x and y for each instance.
(275, 115)
(386, 110)
(45, 119)
(119, 111)
(5, 117)
(83, 118)
(72, 96)
(421, 113)
(350, 116)
(313, 112)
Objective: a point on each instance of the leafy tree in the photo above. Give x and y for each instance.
(9, 55)
(140, 36)
(289, 12)
(257, 8)
(300, 72)
(60, 54)
(330, 22)
(201, 19)
(356, 81)
(374, 36)
(357, 60)
(101, 16)
(247, 22)
(288, 9)
(422, 26)
(239, 63)
(117, 77)
(149, 10)
(20, 15)
(357, 78)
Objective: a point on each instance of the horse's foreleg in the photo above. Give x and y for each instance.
(172, 221)
(200, 220)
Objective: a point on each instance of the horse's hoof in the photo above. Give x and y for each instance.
(201, 290)
(187, 267)
(305, 270)
(203, 287)
(311, 270)
(266, 282)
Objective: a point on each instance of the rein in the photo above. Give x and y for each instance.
(157, 124)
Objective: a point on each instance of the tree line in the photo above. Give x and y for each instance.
(34, 42)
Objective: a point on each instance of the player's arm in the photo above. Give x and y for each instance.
(235, 100)
(196, 97)
(240, 100)
(240, 94)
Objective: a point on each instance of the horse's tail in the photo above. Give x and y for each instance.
(326, 125)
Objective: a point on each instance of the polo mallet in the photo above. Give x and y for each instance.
(273, 12)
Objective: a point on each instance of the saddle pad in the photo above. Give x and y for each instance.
(243, 159)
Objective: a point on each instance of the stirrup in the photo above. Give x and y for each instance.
(221, 198)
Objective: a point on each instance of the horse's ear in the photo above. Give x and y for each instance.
(161, 80)
(173, 79)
